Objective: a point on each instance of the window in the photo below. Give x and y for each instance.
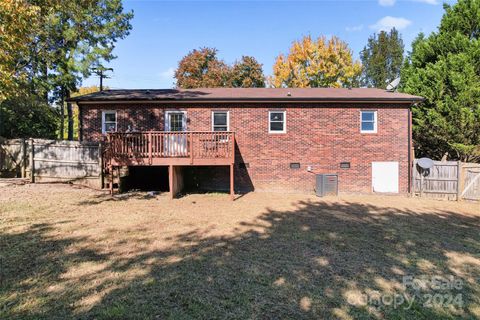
(109, 121)
(368, 121)
(277, 122)
(175, 121)
(220, 121)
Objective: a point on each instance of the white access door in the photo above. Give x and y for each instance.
(385, 177)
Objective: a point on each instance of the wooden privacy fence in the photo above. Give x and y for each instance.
(52, 161)
(471, 187)
(13, 158)
(451, 180)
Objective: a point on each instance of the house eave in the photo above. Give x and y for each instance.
(251, 100)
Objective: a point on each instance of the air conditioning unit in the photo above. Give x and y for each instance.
(326, 185)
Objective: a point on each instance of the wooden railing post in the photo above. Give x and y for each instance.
(150, 148)
(191, 148)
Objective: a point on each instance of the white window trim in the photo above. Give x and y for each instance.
(375, 121)
(167, 123)
(228, 119)
(104, 112)
(284, 122)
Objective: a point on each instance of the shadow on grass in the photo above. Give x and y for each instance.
(106, 197)
(31, 264)
(318, 261)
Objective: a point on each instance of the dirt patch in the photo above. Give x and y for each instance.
(70, 252)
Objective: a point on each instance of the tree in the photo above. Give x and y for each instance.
(27, 116)
(382, 59)
(75, 111)
(444, 68)
(60, 47)
(247, 73)
(316, 63)
(202, 69)
(18, 20)
(85, 33)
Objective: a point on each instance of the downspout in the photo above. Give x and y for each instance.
(410, 163)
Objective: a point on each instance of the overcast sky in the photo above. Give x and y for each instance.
(164, 31)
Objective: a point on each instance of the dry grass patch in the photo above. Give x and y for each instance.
(68, 252)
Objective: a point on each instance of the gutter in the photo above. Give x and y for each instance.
(190, 101)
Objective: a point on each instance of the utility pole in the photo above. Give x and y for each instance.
(100, 72)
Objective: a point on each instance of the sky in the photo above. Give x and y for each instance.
(165, 31)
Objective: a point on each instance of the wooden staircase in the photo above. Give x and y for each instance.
(111, 173)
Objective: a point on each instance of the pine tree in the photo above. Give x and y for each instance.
(382, 59)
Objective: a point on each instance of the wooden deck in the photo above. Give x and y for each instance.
(173, 149)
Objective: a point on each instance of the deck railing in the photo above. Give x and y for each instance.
(151, 145)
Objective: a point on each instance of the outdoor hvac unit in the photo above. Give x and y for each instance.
(326, 185)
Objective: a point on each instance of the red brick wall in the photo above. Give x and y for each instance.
(320, 135)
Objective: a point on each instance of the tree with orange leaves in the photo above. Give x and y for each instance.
(316, 63)
(202, 69)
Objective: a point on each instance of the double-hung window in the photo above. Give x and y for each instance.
(277, 122)
(176, 121)
(220, 121)
(109, 121)
(368, 121)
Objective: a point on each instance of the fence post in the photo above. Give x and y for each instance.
(32, 160)
(421, 184)
(412, 178)
(1, 155)
(24, 159)
(460, 180)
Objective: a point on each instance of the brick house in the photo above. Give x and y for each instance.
(257, 138)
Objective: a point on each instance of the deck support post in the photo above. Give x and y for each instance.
(170, 181)
(175, 179)
(111, 180)
(232, 189)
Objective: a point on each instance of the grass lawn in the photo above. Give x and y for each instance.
(67, 252)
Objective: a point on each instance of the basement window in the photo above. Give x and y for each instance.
(277, 122)
(368, 121)
(109, 121)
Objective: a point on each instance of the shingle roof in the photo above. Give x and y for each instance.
(248, 94)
